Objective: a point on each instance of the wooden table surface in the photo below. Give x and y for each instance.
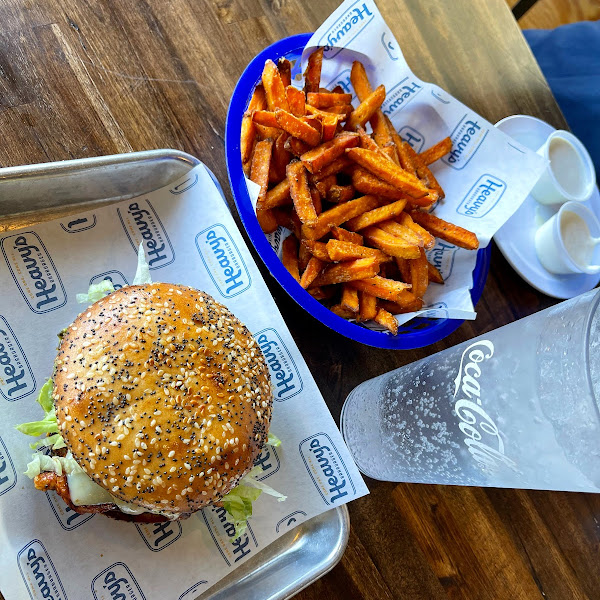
(82, 78)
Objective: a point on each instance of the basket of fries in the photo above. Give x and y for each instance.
(343, 209)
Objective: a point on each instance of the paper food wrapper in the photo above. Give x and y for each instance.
(189, 237)
(486, 176)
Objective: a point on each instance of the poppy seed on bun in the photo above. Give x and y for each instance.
(162, 396)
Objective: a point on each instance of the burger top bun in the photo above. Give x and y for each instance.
(162, 396)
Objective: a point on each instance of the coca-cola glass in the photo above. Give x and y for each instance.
(516, 407)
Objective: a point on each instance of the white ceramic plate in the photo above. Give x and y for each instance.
(516, 237)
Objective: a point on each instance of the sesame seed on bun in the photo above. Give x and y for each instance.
(162, 396)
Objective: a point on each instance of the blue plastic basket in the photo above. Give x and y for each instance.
(416, 333)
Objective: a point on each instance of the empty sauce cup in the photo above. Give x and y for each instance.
(570, 174)
(568, 241)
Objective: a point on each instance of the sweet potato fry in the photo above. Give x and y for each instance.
(266, 220)
(303, 257)
(446, 231)
(406, 220)
(318, 250)
(330, 127)
(279, 159)
(274, 88)
(297, 127)
(284, 66)
(277, 196)
(346, 236)
(338, 250)
(388, 289)
(312, 75)
(266, 118)
(261, 162)
(296, 147)
(377, 215)
(418, 275)
(390, 244)
(349, 299)
(423, 171)
(340, 311)
(403, 265)
(337, 215)
(296, 101)
(312, 271)
(367, 183)
(390, 172)
(434, 274)
(404, 156)
(362, 87)
(367, 306)
(316, 159)
(366, 109)
(300, 193)
(289, 256)
(325, 292)
(352, 270)
(367, 142)
(324, 184)
(436, 151)
(402, 231)
(340, 193)
(267, 133)
(387, 320)
(316, 199)
(248, 132)
(327, 100)
(339, 164)
(396, 309)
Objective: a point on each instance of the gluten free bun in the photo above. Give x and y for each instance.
(162, 396)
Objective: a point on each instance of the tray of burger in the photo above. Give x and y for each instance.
(147, 386)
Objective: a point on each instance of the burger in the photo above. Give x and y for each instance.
(160, 403)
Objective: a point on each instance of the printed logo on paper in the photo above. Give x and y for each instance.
(415, 138)
(8, 474)
(290, 521)
(232, 549)
(34, 272)
(268, 460)
(77, 225)
(389, 45)
(441, 256)
(115, 277)
(466, 139)
(284, 372)
(39, 573)
(157, 536)
(400, 95)
(347, 27)
(434, 310)
(192, 593)
(66, 516)
(223, 261)
(482, 197)
(16, 376)
(275, 239)
(343, 80)
(142, 224)
(327, 469)
(116, 583)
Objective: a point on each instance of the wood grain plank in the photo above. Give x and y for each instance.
(465, 542)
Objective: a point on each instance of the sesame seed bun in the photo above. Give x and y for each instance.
(162, 396)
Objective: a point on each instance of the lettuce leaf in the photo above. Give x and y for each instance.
(238, 502)
(142, 274)
(273, 440)
(96, 291)
(47, 425)
(57, 464)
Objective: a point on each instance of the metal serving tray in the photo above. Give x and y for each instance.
(36, 193)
